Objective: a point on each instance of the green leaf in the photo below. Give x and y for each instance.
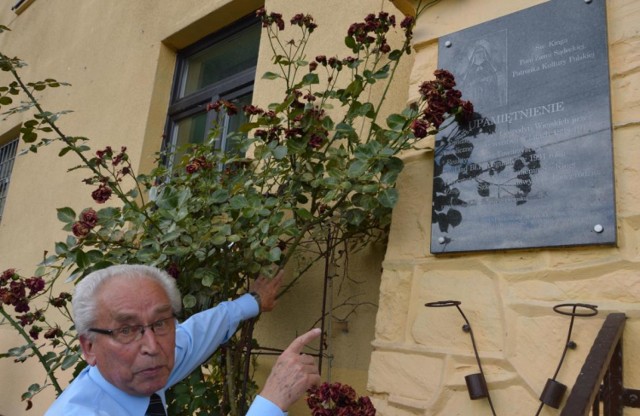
(345, 129)
(239, 202)
(304, 213)
(170, 236)
(365, 109)
(367, 150)
(219, 196)
(355, 88)
(61, 249)
(5, 100)
(270, 75)
(280, 152)
(396, 122)
(70, 360)
(146, 254)
(64, 151)
(189, 301)
(82, 261)
(388, 197)
(31, 391)
(219, 240)
(29, 136)
(357, 168)
(355, 216)
(274, 254)
(310, 79)
(382, 73)
(350, 42)
(208, 280)
(66, 215)
(395, 55)
(17, 351)
(95, 256)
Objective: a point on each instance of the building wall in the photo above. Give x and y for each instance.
(421, 355)
(119, 56)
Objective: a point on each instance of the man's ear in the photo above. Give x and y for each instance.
(86, 343)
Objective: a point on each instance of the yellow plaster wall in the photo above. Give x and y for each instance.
(119, 57)
(421, 355)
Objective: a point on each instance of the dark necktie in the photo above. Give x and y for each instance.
(156, 407)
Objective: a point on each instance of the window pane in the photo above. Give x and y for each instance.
(188, 131)
(228, 57)
(233, 124)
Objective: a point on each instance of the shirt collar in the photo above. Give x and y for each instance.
(136, 405)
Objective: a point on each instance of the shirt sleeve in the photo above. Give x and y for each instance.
(200, 335)
(264, 407)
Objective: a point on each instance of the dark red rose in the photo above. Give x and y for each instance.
(407, 22)
(6, 296)
(53, 333)
(22, 305)
(35, 284)
(6, 276)
(26, 319)
(102, 194)
(251, 110)
(173, 270)
(80, 229)
(90, 217)
(445, 77)
(34, 332)
(420, 128)
(61, 300)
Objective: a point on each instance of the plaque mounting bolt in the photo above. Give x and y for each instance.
(447, 44)
(587, 1)
(441, 240)
(598, 228)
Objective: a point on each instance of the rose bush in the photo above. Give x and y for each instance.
(309, 178)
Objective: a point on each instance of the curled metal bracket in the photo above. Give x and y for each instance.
(476, 383)
(554, 390)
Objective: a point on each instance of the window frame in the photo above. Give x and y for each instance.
(196, 102)
(6, 173)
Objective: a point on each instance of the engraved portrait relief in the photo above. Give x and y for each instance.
(483, 77)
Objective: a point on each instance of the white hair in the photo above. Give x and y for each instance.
(84, 297)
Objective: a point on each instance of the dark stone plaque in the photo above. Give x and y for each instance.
(535, 167)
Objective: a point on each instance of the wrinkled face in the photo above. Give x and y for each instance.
(143, 366)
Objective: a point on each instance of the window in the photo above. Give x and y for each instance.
(221, 66)
(7, 156)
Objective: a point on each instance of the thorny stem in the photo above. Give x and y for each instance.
(33, 348)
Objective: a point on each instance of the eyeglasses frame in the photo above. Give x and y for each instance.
(142, 329)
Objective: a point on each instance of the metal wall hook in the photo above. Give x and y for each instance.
(476, 383)
(554, 390)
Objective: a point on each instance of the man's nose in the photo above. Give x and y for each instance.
(149, 341)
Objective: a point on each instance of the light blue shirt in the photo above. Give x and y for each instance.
(196, 339)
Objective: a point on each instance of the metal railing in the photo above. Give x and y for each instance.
(599, 386)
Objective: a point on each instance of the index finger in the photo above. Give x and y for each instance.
(299, 343)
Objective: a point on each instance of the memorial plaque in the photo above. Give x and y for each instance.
(535, 166)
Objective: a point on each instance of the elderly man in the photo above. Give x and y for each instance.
(124, 316)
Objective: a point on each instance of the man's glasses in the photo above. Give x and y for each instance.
(131, 333)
